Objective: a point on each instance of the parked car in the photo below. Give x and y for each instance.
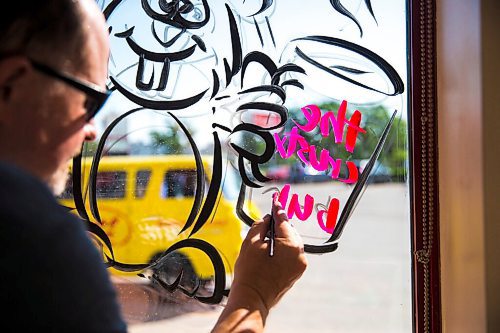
(280, 173)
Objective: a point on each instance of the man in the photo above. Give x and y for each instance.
(53, 67)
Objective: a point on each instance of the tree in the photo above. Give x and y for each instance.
(168, 141)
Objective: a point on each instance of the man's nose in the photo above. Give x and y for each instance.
(90, 130)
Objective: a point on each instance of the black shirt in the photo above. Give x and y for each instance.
(52, 276)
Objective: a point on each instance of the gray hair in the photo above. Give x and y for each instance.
(46, 29)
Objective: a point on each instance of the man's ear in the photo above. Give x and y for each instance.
(11, 70)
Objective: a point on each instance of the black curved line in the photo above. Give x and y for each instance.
(80, 206)
(101, 234)
(126, 33)
(350, 70)
(110, 8)
(281, 110)
(95, 164)
(174, 19)
(159, 57)
(200, 176)
(169, 42)
(199, 42)
(254, 158)
(275, 89)
(227, 69)
(284, 69)
(265, 135)
(222, 127)
(216, 84)
(186, 8)
(170, 8)
(319, 249)
(140, 76)
(222, 97)
(217, 263)
(381, 63)
(258, 174)
(265, 5)
(77, 187)
(244, 177)
(342, 10)
(119, 266)
(293, 82)
(369, 6)
(355, 194)
(219, 270)
(195, 25)
(158, 105)
(213, 190)
(220, 196)
(235, 42)
(239, 207)
(261, 58)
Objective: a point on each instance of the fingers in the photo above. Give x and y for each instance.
(282, 225)
(259, 228)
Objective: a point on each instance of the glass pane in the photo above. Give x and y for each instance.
(227, 102)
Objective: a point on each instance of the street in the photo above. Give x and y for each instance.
(364, 286)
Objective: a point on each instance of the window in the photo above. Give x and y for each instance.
(378, 58)
(111, 184)
(178, 184)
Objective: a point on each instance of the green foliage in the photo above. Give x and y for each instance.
(89, 148)
(168, 141)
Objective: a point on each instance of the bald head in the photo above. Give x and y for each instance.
(43, 118)
(52, 30)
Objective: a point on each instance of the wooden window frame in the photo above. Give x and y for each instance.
(424, 166)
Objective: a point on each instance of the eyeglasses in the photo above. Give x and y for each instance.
(96, 96)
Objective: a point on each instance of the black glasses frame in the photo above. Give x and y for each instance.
(96, 96)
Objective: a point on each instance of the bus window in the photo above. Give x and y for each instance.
(178, 184)
(141, 182)
(111, 184)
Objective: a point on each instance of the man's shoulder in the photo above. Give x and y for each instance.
(27, 207)
(15, 182)
(55, 274)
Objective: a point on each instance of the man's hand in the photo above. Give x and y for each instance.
(260, 280)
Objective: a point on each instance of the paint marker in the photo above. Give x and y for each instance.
(271, 233)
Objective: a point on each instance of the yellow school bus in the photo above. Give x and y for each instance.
(144, 202)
